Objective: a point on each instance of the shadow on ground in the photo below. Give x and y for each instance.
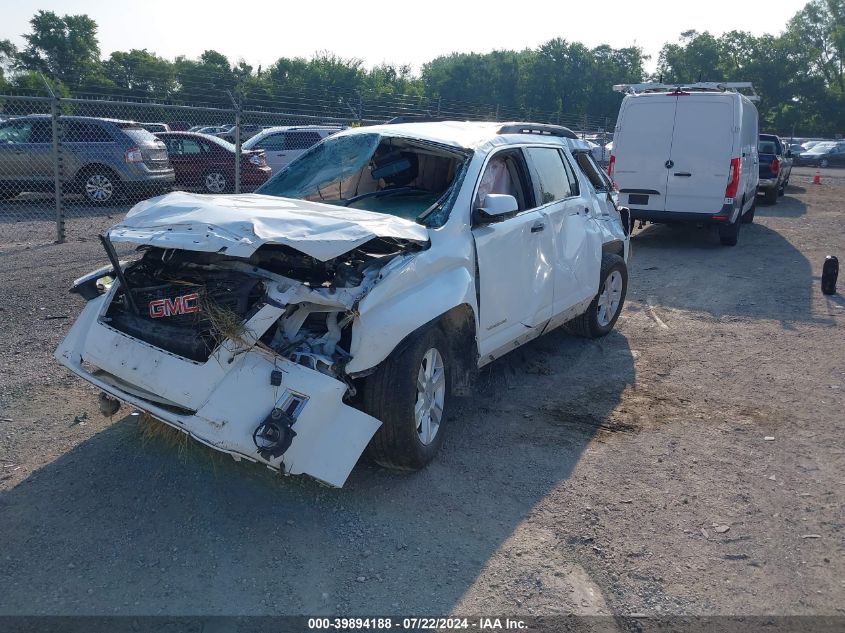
(118, 526)
(727, 280)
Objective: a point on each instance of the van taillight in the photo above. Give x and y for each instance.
(610, 163)
(775, 166)
(733, 179)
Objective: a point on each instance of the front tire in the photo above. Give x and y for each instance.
(409, 394)
(604, 310)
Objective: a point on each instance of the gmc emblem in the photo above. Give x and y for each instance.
(186, 304)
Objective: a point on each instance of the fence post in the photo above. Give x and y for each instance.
(237, 106)
(57, 163)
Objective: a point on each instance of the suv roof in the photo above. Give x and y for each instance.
(471, 134)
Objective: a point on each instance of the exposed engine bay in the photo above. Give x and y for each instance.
(189, 302)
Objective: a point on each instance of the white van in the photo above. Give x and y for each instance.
(687, 153)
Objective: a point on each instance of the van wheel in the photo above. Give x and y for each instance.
(409, 394)
(729, 233)
(748, 218)
(605, 308)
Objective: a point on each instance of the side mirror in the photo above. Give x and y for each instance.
(789, 153)
(496, 207)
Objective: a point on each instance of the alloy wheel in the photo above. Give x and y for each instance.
(431, 394)
(610, 298)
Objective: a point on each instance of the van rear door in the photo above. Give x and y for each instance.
(641, 147)
(702, 148)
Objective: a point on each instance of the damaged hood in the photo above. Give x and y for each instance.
(238, 225)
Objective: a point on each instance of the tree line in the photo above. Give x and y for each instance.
(799, 74)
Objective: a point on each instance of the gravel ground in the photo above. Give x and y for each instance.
(689, 463)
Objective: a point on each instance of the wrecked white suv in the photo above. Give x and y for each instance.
(338, 308)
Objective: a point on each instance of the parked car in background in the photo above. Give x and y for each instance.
(824, 154)
(209, 129)
(179, 126)
(687, 154)
(808, 145)
(795, 148)
(103, 159)
(207, 162)
(247, 132)
(155, 127)
(775, 167)
(283, 144)
(359, 288)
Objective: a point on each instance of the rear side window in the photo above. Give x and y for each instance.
(592, 171)
(301, 140)
(272, 143)
(137, 133)
(552, 181)
(80, 132)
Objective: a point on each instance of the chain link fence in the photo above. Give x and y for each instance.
(70, 167)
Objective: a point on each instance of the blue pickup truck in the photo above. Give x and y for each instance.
(775, 167)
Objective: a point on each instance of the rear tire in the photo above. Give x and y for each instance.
(771, 196)
(729, 233)
(215, 182)
(409, 394)
(100, 186)
(604, 310)
(748, 218)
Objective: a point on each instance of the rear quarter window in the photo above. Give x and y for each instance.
(138, 134)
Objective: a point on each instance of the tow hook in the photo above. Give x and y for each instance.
(108, 405)
(274, 435)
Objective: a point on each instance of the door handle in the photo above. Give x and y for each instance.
(683, 174)
(539, 226)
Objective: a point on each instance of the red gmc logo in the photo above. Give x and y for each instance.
(186, 304)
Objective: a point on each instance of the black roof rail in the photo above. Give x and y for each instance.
(537, 128)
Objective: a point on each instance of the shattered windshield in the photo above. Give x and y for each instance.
(398, 176)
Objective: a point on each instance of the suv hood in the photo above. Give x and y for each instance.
(238, 225)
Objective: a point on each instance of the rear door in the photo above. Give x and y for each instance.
(700, 158)
(576, 252)
(641, 147)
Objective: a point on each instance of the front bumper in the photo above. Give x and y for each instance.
(222, 401)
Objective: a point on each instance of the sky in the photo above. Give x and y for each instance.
(399, 32)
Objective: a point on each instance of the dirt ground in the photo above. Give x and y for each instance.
(692, 462)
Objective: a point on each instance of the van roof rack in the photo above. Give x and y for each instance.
(537, 128)
(701, 86)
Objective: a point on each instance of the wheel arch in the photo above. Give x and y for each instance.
(87, 168)
(614, 247)
(445, 300)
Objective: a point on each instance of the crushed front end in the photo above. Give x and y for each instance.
(245, 354)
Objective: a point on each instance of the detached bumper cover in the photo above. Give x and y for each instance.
(222, 401)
